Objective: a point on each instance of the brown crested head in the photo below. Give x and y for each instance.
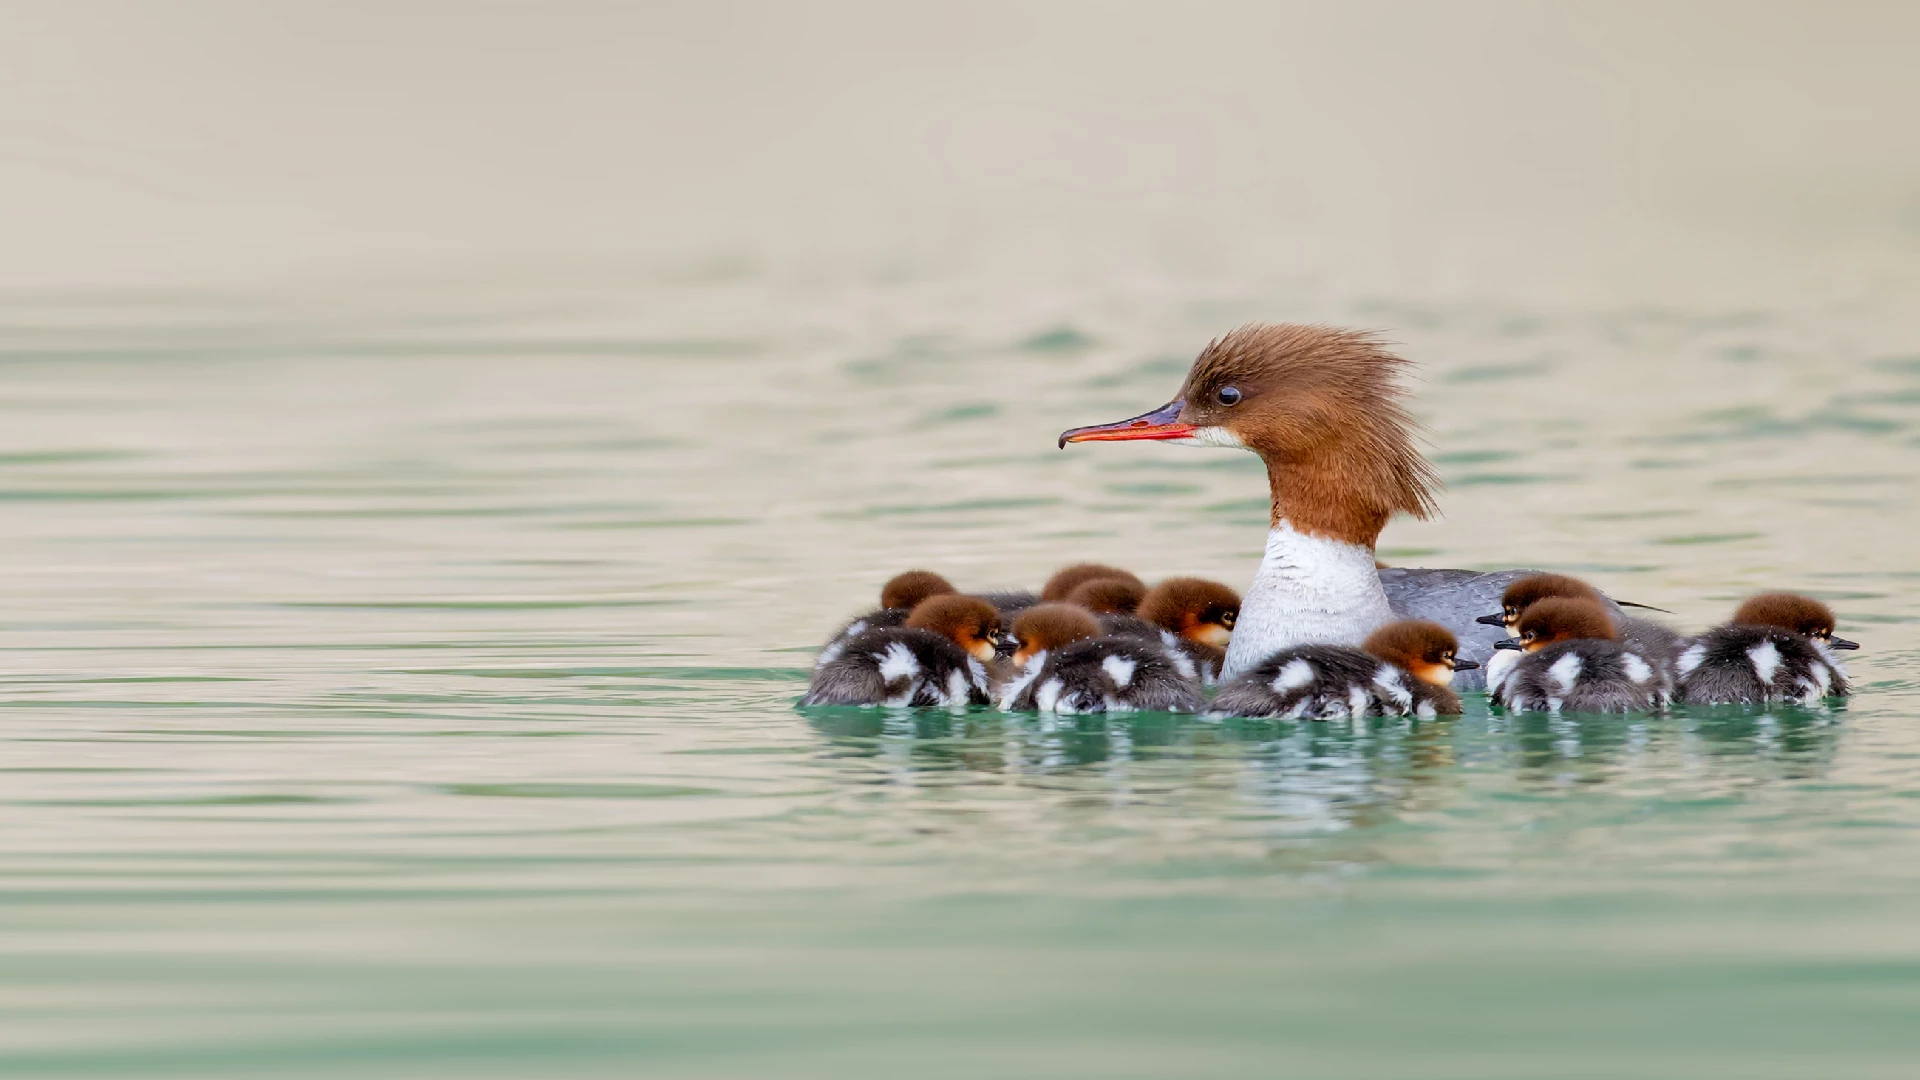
(967, 621)
(1787, 611)
(1109, 595)
(1194, 608)
(906, 590)
(1533, 588)
(1426, 650)
(1564, 618)
(1044, 627)
(1068, 578)
(1323, 407)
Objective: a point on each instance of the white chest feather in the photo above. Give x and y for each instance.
(1309, 591)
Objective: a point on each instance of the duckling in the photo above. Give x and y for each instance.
(1113, 602)
(1657, 643)
(1574, 660)
(1195, 616)
(1777, 647)
(897, 600)
(1328, 682)
(938, 657)
(1066, 666)
(1069, 578)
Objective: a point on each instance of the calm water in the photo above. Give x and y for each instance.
(398, 681)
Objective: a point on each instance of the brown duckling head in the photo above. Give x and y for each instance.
(1109, 596)
(1193, 608)
(1426, 650)
(1068, 578)
(1792, 612)
(967, 621)
(1044, 627)
(906, 590)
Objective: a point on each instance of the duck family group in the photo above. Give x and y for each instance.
(1097, 639)
(1325, 631)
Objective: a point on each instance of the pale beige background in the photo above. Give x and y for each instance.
(1504, 146)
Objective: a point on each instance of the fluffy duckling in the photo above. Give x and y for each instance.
(1069, 578)
(1113, 602)
(1777, 647)
(898, 597)
(1569, 656)
(1328, 682)
(1195, 616)
(1655, 642)
(1065, 666)
(938, 657)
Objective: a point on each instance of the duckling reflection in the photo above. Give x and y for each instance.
(1720, 745)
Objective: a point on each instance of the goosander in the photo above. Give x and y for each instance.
(1650, 639)
(1066, 666)
(897, 599)
(1405, 668)
(1777, 647)
(1324, 410)
(937, 657)
(1570, 657)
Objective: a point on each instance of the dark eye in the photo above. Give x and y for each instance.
(1227, 395)
(1226, 619)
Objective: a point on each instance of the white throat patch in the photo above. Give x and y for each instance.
(1309, 591)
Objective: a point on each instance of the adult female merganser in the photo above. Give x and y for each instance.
(937, 657)
(1570, 657)
(1324, 410)
(1066, 666)
(1405, 668)
(897, 600)
(1778, 647)
(1650, 639)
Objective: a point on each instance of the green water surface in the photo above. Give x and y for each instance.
(399, 682)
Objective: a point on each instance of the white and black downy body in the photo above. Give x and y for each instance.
(938, 658)
(898, 597)
(1403, 669)
(1779, 647)
(1063, 664)
(1571, 659)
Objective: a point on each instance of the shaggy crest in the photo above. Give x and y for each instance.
(906, 590)
(1109, 596)
(1325, 408)
(1069, 578)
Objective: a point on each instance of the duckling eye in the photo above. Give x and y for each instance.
(1227, 395)
(1226, 619)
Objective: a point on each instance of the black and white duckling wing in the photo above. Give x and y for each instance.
(1588, 675)
(1109, 674)
(1319, 682)
(1755, 665)
(899, 666)
(877, 619)
(1659, 645)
